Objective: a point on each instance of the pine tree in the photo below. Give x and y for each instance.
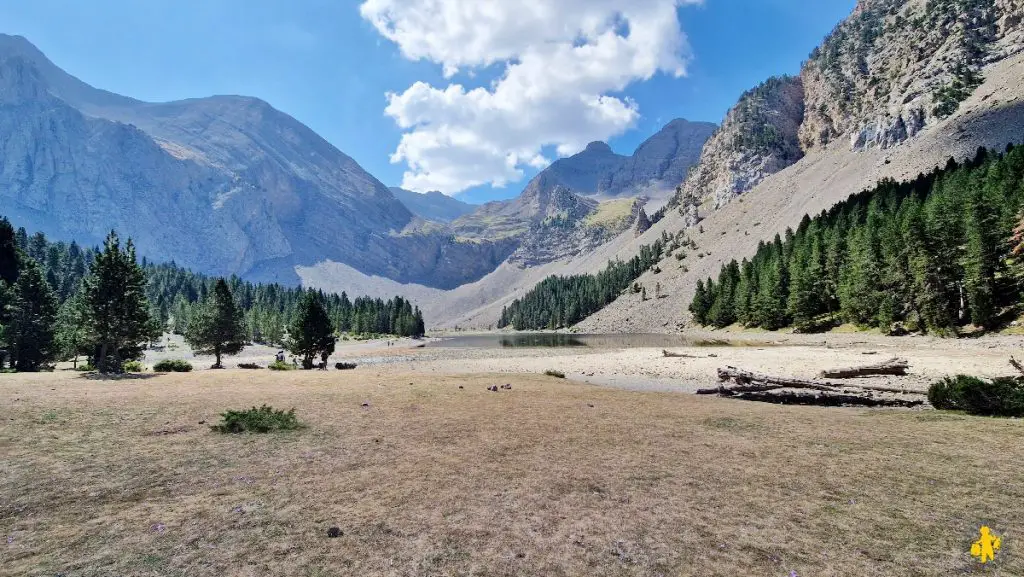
(700, 304)
(218, 326)
(33, 316)
(982, 258)
(115, 293)
(73, 328)
(9, 258)
(311, 333)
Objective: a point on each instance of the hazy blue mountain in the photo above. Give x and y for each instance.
(433, 205)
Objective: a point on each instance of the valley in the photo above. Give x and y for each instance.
(784, 343)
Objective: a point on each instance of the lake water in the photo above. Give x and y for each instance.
(560, 340)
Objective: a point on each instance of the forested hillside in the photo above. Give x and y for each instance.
(930, 255)
(561, 301)
(174, 292)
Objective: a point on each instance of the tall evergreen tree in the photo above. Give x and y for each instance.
(9, 258)
(73, 328)
(218, 326)
(33, 316)
(311, 334)
(115, 293)
(700, 305)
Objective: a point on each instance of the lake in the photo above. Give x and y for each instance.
(566, 340)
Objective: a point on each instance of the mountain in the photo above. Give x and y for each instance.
(432, 205)
(663, 160)
(660, 162)
(260, 191)
(885, 74)
(758, 137)
(896, 90)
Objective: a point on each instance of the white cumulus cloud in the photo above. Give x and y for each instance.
(564, 61)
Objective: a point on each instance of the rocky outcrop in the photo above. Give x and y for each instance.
(896, 66)
(643, 222)
(757, 138)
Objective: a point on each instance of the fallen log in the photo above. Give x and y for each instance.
(670, 354)
(1016, 364)
(741, 377)
(825, 400)
(897, 367)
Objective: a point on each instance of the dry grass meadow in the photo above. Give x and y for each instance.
(120, 477)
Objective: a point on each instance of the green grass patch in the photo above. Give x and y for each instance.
(173, 366)
(999, 397)
(257, 420)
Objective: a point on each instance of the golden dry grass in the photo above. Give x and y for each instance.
(550, 478)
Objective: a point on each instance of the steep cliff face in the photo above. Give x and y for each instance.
(896, 66)
(223, 185)
(757, 138)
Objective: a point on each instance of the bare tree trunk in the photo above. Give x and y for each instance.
(102, 365)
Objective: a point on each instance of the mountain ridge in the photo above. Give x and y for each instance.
(262, 190)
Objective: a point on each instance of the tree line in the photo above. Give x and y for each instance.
(933, 255)
(58, 301)
(561, 301)
(174, 294)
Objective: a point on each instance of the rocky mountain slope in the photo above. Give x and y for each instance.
(952, 79)
(263, 192)
(758, 137)
(885, 73)
(433, 205)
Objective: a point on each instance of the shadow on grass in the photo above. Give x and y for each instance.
(121, 377)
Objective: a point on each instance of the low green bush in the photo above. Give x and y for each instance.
(280, 366)
(344, 366)
(133, 367)
(172, 366)
(554, 373)
(86, 367)
(249, 366)
(262, 420)
(999, 397)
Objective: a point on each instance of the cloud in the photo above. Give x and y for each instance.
(563, 63)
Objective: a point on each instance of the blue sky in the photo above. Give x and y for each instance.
(324, 63)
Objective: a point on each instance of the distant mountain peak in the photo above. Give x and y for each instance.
(433, 205)
(598, 146)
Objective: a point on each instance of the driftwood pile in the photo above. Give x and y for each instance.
(746, 385)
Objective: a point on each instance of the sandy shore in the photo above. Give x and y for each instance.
(646, 368)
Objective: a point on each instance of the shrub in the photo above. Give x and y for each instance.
(133, 367)
(554, 373)
(1000, 397)
(280, 366)
(344, 366)
(86, 367)
(262, 420)
(172, 366)
(249, 366)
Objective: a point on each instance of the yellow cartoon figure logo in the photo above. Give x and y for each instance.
(984, 549)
